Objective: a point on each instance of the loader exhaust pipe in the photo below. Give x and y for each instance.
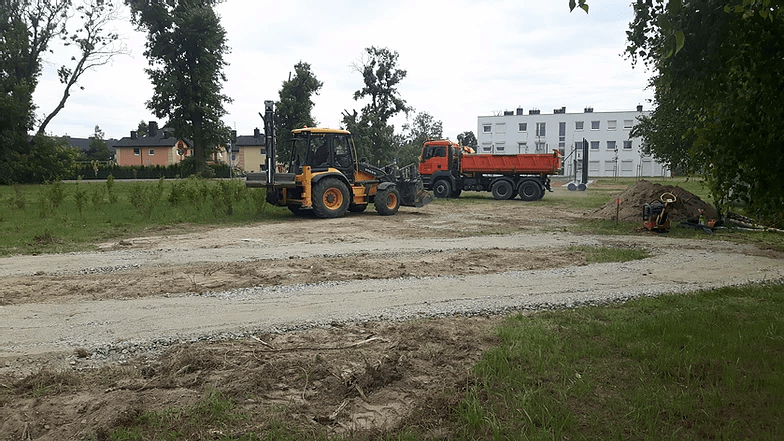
(269, 142)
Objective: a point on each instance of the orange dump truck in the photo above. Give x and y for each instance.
(448, 168)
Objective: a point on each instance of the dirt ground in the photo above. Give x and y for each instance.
(339, 376)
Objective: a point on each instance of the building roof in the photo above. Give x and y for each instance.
(156, 138)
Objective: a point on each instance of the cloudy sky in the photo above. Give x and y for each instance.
(464, 58)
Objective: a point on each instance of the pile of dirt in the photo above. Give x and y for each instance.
(633, 199)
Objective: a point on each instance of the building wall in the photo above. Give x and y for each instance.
(611, 153)
(147, 156)
(251, 158)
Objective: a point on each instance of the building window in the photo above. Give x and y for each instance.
(627, 145)
(595, 125)
(261, 151)
(579, 125)
(500, 128)
(609, 166)
(499, 147)
(487, 147)
(233, 157)
(593, 166)
(627, 166)
(136, 151)
(611, 145)
(627, 123)
(487, 128)
(541, 147)
(541, 129)
(522, 147)
(152, 152)
(594, 145)
(522, 127)
(611, 124)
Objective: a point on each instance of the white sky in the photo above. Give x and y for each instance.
(464, 58)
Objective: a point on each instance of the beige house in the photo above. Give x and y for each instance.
(249, 153)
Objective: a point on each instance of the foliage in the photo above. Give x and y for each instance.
(185, 48)
(295, 106)
(423, 127)
(143, 129)
(375, 138)
(717, 95)
(29, 29)
(98, 149)
(144, 198)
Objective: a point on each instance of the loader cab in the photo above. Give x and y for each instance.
(322, 149)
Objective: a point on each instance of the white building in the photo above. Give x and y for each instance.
(611, 151)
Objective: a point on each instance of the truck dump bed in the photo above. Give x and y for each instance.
(524, 164)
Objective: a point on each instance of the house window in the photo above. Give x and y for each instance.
(627, 123)
(152, 152)
(499, 147)
(611, 145)
(500, 128)
(233, 157)
(522, 147)
(593, 166)
(487, 147)
(609, 166)
(541, 147)
(261, 151)
(487, 128)
(522, 127)
(594, 145)
(540, 129)
(136, 151)
(611, 124)
(579, 125)
(627, 145)
(627, 166)
(595, 125)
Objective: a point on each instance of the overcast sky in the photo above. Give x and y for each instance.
(464, 58)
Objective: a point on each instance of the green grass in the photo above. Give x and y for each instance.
(64, 217)
(610, 254)
(702, 366)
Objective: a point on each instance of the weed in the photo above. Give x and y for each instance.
(145, 198)
(17, 200)
(80, 195)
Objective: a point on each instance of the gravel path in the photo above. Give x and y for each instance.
(144, 324)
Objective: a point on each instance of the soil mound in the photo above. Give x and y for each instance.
(633, 199)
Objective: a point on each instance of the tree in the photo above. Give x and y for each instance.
(27, 30)
(142, 129)
(98, 149)
(371, 128)
(185, 48)
(423, 127)
(468, 139)
(295, 104)
(717, 95)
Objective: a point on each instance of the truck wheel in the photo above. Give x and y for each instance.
(530, 191)
(387, 201)
(442, 189)
(330, 198)
(357, 208)
(456, 193)
(502, 190)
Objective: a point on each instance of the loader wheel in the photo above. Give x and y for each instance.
(387, 201)
(502, 190)
(330, 198)
(357, 208)
(530, 191)
(442, 189)
(299, 211)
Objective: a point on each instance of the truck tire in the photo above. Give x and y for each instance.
(530, 191)
(330, 198)
(456, 193)
(387, 201)
(502, 190)
(442, 189)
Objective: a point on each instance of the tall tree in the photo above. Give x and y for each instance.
(717, 93)
(28, 29)
(295, 105)
(423, 127)
(185, 48)
(381, 77)
(98, 149)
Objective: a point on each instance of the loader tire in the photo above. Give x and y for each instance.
(387, 201)
(502, 190)
(530, 191)
(442, 189)
(330, 198)
(298, 211)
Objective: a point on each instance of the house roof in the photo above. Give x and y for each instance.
(162, 138)
(83, 144)
(243, 141)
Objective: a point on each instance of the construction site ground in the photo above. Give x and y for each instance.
(327, 325)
